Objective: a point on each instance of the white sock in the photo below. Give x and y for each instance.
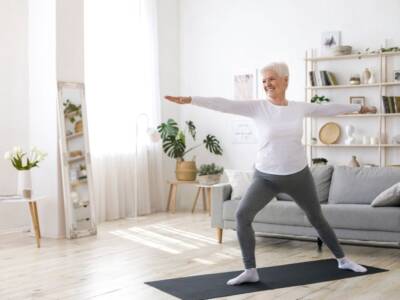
(347, 264)
(249, 275)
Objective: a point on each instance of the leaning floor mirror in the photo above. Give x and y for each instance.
(75, 161)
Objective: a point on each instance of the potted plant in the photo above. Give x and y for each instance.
(210, 174)
(24, 163)
(319, 99)
(71, 111)
(174, 145)
(319, 161)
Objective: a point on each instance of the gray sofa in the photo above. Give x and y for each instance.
(345, 195)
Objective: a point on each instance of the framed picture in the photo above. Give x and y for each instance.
(357, 100)
(396, 75)
(243, 132)
(329, 40)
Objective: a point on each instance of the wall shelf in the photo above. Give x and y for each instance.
(75, 135)
(362, 115)
(351, 56)
(353, 145)
(311, 124)
(75, 159)
(345, 86)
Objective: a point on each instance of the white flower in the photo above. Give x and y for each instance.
(17, 150)
(7, 155)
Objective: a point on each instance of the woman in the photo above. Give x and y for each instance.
(281, 164)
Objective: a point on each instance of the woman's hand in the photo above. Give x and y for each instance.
(179, 100)
(368, 109)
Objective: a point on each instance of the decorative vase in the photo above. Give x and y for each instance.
(354, 162)
(209, 179)
(186, 170)
(350, 135)
(24, 183)
(366, 75)
(372, 79)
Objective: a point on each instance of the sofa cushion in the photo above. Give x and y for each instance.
(322, 178)
(360, 185)
(389, 197)
(240, 181)
(362, 217)
(275, 212)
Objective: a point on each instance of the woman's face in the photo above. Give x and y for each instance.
(274, 85)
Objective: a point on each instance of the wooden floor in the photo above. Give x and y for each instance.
(127, 253)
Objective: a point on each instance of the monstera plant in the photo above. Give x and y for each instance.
(174, 144)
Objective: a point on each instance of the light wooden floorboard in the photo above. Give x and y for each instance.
(126, 253)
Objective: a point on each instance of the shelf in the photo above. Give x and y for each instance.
(81, 204)
(72, 136)
(345, 86)
(353, 145)
(353, 56)
(72, 114)
(361, 115)
(75, 159)
(78, 182)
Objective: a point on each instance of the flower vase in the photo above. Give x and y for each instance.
(24, 183)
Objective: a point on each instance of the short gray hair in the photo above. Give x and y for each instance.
(280, 68)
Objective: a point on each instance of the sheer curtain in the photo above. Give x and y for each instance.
(122, 94)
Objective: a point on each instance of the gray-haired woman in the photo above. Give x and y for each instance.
(281, 164)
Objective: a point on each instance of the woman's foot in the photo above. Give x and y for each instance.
(249, 275)
(347, 264)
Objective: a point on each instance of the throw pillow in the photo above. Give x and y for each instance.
(322, 178)
(240, 181)
(389, 197)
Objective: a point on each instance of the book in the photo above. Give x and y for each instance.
(332, 78)
(385, 104)
(325, 74)
(391, 105)
(397, 102)
(312, 78)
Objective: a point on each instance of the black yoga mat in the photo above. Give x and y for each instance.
(214, 285)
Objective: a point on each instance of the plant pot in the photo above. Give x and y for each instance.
(186, 170)
(78, 126)
(24, 183)
(209, 179)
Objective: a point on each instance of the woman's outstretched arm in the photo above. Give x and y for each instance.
(332, 109)
(247, 108)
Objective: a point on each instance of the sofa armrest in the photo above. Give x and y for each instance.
(220, 195)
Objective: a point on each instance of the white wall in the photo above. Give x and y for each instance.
(43, 112)
(14, 112)
(169, 61)
(219, 38)
(70, 66)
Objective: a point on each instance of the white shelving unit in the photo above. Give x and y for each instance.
(76, 169)
(312, 64)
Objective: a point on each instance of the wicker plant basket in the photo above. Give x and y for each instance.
(186, 170)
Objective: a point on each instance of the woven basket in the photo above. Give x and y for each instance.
(186, 170)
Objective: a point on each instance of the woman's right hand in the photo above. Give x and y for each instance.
(179, 100)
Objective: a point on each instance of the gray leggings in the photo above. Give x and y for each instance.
(300, 186)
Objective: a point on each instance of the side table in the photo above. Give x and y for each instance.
(173, 186)
(206, 191)
(32, 208)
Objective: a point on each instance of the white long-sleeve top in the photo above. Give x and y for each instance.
(280, 128)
